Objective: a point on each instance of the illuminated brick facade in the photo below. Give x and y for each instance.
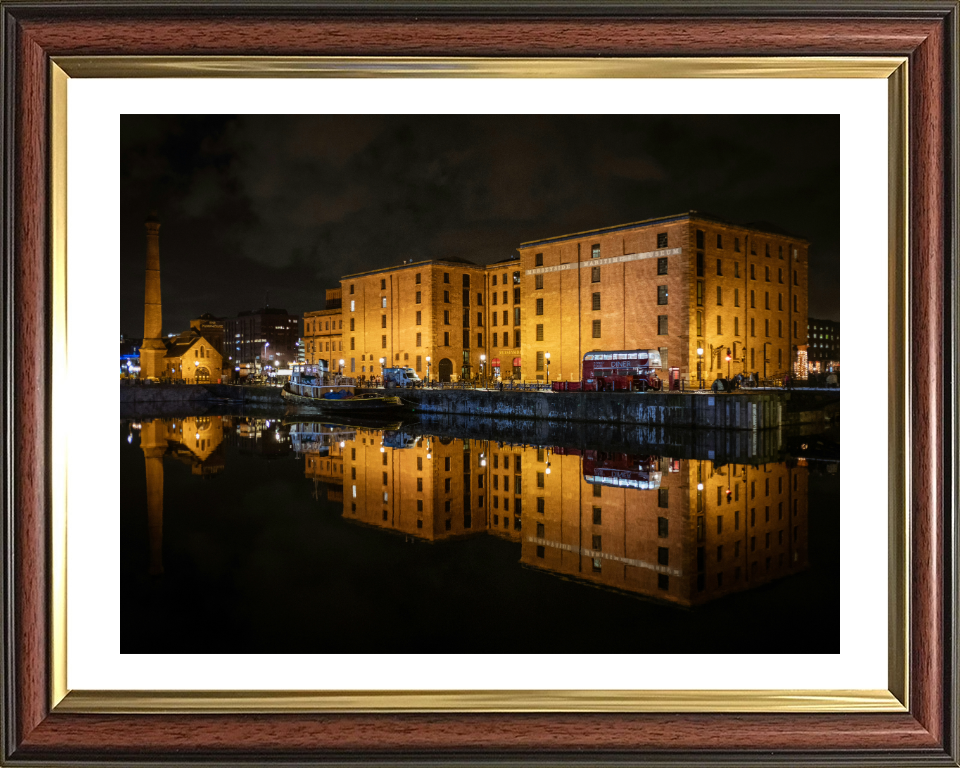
(675, 283)
(323, 333)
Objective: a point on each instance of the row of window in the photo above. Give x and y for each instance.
(701, 240)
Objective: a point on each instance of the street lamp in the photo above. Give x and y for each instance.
(548, 367)
(428, 370)
(483, 359)
(765, 359)
(341, 367)
(728, 362)
(700, 367)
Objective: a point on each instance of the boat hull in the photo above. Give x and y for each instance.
(348, 405)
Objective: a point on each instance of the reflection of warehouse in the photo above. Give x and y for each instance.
(641, 524)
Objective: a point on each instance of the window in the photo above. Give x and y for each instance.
(662, 240)
(699, 293)
(753, 300)
(719, 325)
(466, 319)
(494, 280)
(736, 326)
(352, 341)
(383, 302)
(479, 299)
(780, 328)
(446, 317)
(780, 275)
(719, 296)
(662, 295)
(766, 272)
(479, 340)
(516, 339)
(540, 332)
(479, 319)
(538, 260)
(541, 477)
(699, 323)
(753, 332)
(418, 364)
(538, 282)
(466, 296)
(351, 323)
(419, 316)
(719, 267)
(736, 244)
(417, 278)
(700, 267)
(663, 500)
(596, 301)
(753, 272)
(446, 297)
(383, 285)
(736, 269)
(446, 338)
(595, 275)
(446, 277)
(662, 326)
(719, 241)
(540, 504)
(466, 340)
(795, 306)
(516, 296)
(494, 298)
(662, 265)
(795, 278)
(736, 297)
(539, 306)
(700, 238)
(383, 321)
(351, 293)
(595, 251)
(596, 329)
(383, 342)
(780, 301)
(663, 555)
(539, 361)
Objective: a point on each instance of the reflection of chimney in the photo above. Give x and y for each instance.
(153, 349)
(153, 442)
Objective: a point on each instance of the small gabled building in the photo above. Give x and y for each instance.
(191, 358)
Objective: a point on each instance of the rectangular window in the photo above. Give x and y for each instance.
(446, 277)
(662, 240)
(538, 282)
(479, 299)
(719, 267)
(383, 302)
(466, 296)
(418, 318)
(446, 297)
(596, 301)
(539, 306)
(539, 361)
(539, 332)
(699, 293)
(662, 326)
(719, 325)
(595, 251)
(662, 265)
(596, 329)
(595, 275)
(736, 297)
(736, 244)
(383, 321)
(538, 260)
(516, 339)
(417, 278)
(699, 323)
(662, 295)
(351, 291)
(766, 300)
(766, 272)
(719, 296)
(352, 342)
(663, 556)
(353, 360)
(736, 326)
(663, 498)
(351, 323)
(466, 339)
(516, 296)
(418, 362)
(780, 328)
(753, 272)
(446, 338)
(466, 319)
(479, 340)
(541, 479)
(736, 269)
(780, 275)
(700, 238)
(479, 319)
(383, 342)
(719, 241)
(780, 301)
(540, 504)
(418, 296)
(700, 267)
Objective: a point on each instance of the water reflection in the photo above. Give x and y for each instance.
(685, 531)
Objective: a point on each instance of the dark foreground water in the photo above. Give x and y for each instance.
(254, 535)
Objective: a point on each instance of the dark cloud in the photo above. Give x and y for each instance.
(288, 204)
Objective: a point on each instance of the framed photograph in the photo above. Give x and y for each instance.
(572, 629)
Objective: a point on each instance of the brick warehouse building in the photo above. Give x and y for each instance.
(692, 281)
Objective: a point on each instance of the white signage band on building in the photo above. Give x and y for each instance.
(612, 260)
(605, 556)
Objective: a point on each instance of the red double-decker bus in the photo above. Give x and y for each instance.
(621, 369)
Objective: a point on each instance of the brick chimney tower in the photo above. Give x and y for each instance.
(153, 349)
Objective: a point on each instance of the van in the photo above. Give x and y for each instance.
(400, 377)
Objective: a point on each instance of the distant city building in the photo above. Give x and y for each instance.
(259, 338)
(824, 354)
(676, 284)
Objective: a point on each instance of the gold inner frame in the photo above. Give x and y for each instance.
(895, 699)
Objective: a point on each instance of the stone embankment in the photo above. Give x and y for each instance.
(738, 411)
(196, 393)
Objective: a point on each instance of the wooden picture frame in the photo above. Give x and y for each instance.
(38, 728)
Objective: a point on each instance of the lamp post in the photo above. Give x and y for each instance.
(728, 362)
(383, 362)
(341, 367)
(765, 360)
(483, 359)
(428, 370)
(699, 367)
(548, 367)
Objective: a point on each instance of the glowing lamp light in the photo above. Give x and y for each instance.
(383, 450)
(699, 350)
(343, 444)
(548, 470)
(700, 486)
(429, 455)
(197, 436)
(483, 462)
(129, 438)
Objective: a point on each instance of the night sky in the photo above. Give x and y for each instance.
(289, 204)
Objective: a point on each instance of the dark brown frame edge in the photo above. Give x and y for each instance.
(926, 32)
